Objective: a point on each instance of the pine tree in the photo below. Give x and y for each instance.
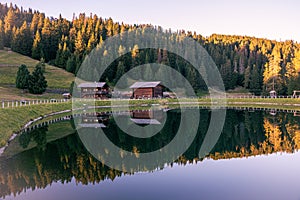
(9, 23)
(71, 64)
(37, 82)
(1, 35)
(79, 44)
(24, 40)
(91, 43)
(36, 48)
(120, 71)
(255, 85)
(34, 23)
(42, 65)
(296, 60)
(272, 73)
(22, 77)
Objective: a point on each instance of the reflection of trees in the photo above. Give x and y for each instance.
(245, 134)
(38, 135)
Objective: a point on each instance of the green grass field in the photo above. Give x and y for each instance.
(9, 63)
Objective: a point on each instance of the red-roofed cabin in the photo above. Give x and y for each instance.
(147, 90)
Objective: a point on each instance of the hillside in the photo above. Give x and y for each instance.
(10, 61)
(257, 65)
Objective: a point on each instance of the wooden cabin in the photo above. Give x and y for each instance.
(97, 90)
(147, 90)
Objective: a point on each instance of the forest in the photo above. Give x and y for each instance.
(255, 64)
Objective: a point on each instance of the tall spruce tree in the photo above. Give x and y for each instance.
(22, 77)
(37, 82)
(37, 47)
(1, 35)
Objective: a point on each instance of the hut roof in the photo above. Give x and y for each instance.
(92, 85)
(145, 84)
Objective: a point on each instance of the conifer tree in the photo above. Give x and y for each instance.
(1, 35)
(37, 82)
(36, 47)
(22, 77)
(255, 85)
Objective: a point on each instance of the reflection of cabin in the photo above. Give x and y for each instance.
(296, 94)
(66, 95)
(143, 90)
(147, 116)
(273, 112)
(296, 114)
(94, 120)
(273, 94)
(98, 90)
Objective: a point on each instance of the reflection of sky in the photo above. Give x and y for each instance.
(261, 177)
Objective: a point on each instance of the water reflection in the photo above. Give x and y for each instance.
(63, 159)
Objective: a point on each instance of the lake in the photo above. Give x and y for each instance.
(255, 157)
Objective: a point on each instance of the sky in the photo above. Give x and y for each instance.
(272, 19)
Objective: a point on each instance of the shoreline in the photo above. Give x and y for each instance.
(42, 111)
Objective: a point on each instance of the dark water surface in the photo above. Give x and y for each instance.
(256, 157)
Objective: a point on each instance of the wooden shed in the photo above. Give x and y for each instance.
(147, 90)
(97, 90)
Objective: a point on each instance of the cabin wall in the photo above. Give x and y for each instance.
(147, 92)
(142, 93)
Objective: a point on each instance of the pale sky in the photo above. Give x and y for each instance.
(272, 19)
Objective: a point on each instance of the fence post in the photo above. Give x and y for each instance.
(2, 104)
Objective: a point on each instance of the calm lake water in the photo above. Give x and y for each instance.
(256, 157)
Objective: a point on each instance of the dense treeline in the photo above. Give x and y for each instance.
(259, 65)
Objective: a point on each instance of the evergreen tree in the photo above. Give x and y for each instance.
(71, 64)
(120, 71)
(42, 65)
(9, 23)
(1, 35)
(22, 40)
(79, 44)
(37, 82)
(63, 53)
(36, 48)
(255, 85)
(272, 73)
(22, 77)
(296, 60)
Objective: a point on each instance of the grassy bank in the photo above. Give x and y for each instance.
(12, 120)
(9, 64)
